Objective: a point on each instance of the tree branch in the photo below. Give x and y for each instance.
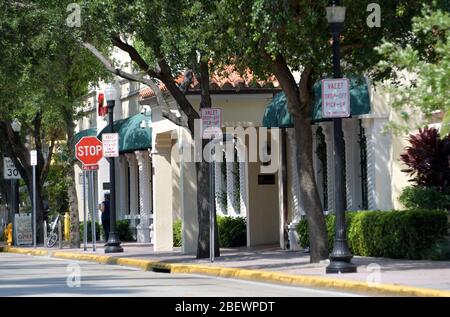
(287, 82)
(134, 55)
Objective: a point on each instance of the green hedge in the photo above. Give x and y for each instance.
(177, 233)
(408, 234)
(414, 197)
(232, 232)
(122, 226)
(98, 231)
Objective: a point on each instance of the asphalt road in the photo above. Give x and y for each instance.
(22, 275)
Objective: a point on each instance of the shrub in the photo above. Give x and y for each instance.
(232, 231)
(123, 227)
(414, 197)
(330, 220)
(409, 234)
(428, 159)
(177, 233)
(98, 231)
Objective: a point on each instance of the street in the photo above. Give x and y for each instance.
(22, 275)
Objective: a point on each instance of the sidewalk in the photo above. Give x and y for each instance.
(279, 265)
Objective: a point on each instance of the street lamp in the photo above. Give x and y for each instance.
(16, 126)
(113, 244)
(340, 257)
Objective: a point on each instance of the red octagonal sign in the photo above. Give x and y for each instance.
(89, 150)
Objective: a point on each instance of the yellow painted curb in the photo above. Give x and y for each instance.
(313, 281)
(25, 251)
(245, 274)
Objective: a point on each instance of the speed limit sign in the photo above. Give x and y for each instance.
(9, 170)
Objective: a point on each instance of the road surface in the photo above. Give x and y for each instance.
(22, 275)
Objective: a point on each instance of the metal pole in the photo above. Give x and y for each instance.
(84, 212)
(212, 202)
(113, 244)
(34, 206)
(91, 195)
(340, 257)
(59, 232)
(211, 212)
(45, 232)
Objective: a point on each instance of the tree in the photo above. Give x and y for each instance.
(162, 40)
(43, 79)
(281, 37)
(421, 68)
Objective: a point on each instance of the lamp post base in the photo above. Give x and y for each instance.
(113, 244)
(336, 267)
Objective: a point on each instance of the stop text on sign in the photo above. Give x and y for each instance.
(89, 150)
(336, 98)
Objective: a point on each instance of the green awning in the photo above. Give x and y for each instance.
(277, 115)
(135, 133)
(77, 137)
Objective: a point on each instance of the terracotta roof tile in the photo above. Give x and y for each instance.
(227, 79)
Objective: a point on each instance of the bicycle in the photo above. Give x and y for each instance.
(52, 237)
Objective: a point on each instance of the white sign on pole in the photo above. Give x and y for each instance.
(336, 98)
(33, 158)
(9, 169)
(211, 122)
(110, 144)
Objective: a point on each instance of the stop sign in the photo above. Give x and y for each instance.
(89, 150)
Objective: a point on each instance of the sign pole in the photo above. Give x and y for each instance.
(211, 211)
(84, 212)
(91, 196)
(34, 206)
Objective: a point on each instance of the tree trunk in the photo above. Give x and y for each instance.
(308, 191)
(73, 198)
(299, 99)
(203, 205)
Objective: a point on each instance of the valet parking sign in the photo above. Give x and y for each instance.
(336, 98)
(211, 122)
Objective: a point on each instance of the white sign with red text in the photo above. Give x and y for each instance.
(211, 122)
(336, 98)
(110, 144)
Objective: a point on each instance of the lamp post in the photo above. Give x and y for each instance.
(113, 244)
(16, 126)
(340, 257)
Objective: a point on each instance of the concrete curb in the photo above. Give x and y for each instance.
(243, 274)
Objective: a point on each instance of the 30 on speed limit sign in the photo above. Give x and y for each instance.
(9, 169)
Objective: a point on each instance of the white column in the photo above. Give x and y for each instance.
(163, 192)
(378, 164)
(232, 209)
(123, 187)
(328, 132)
(134, 189)
(370, 157)
(351, 163)
(243, 201)
(219, 189)
(143, 229)
(298, 209)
